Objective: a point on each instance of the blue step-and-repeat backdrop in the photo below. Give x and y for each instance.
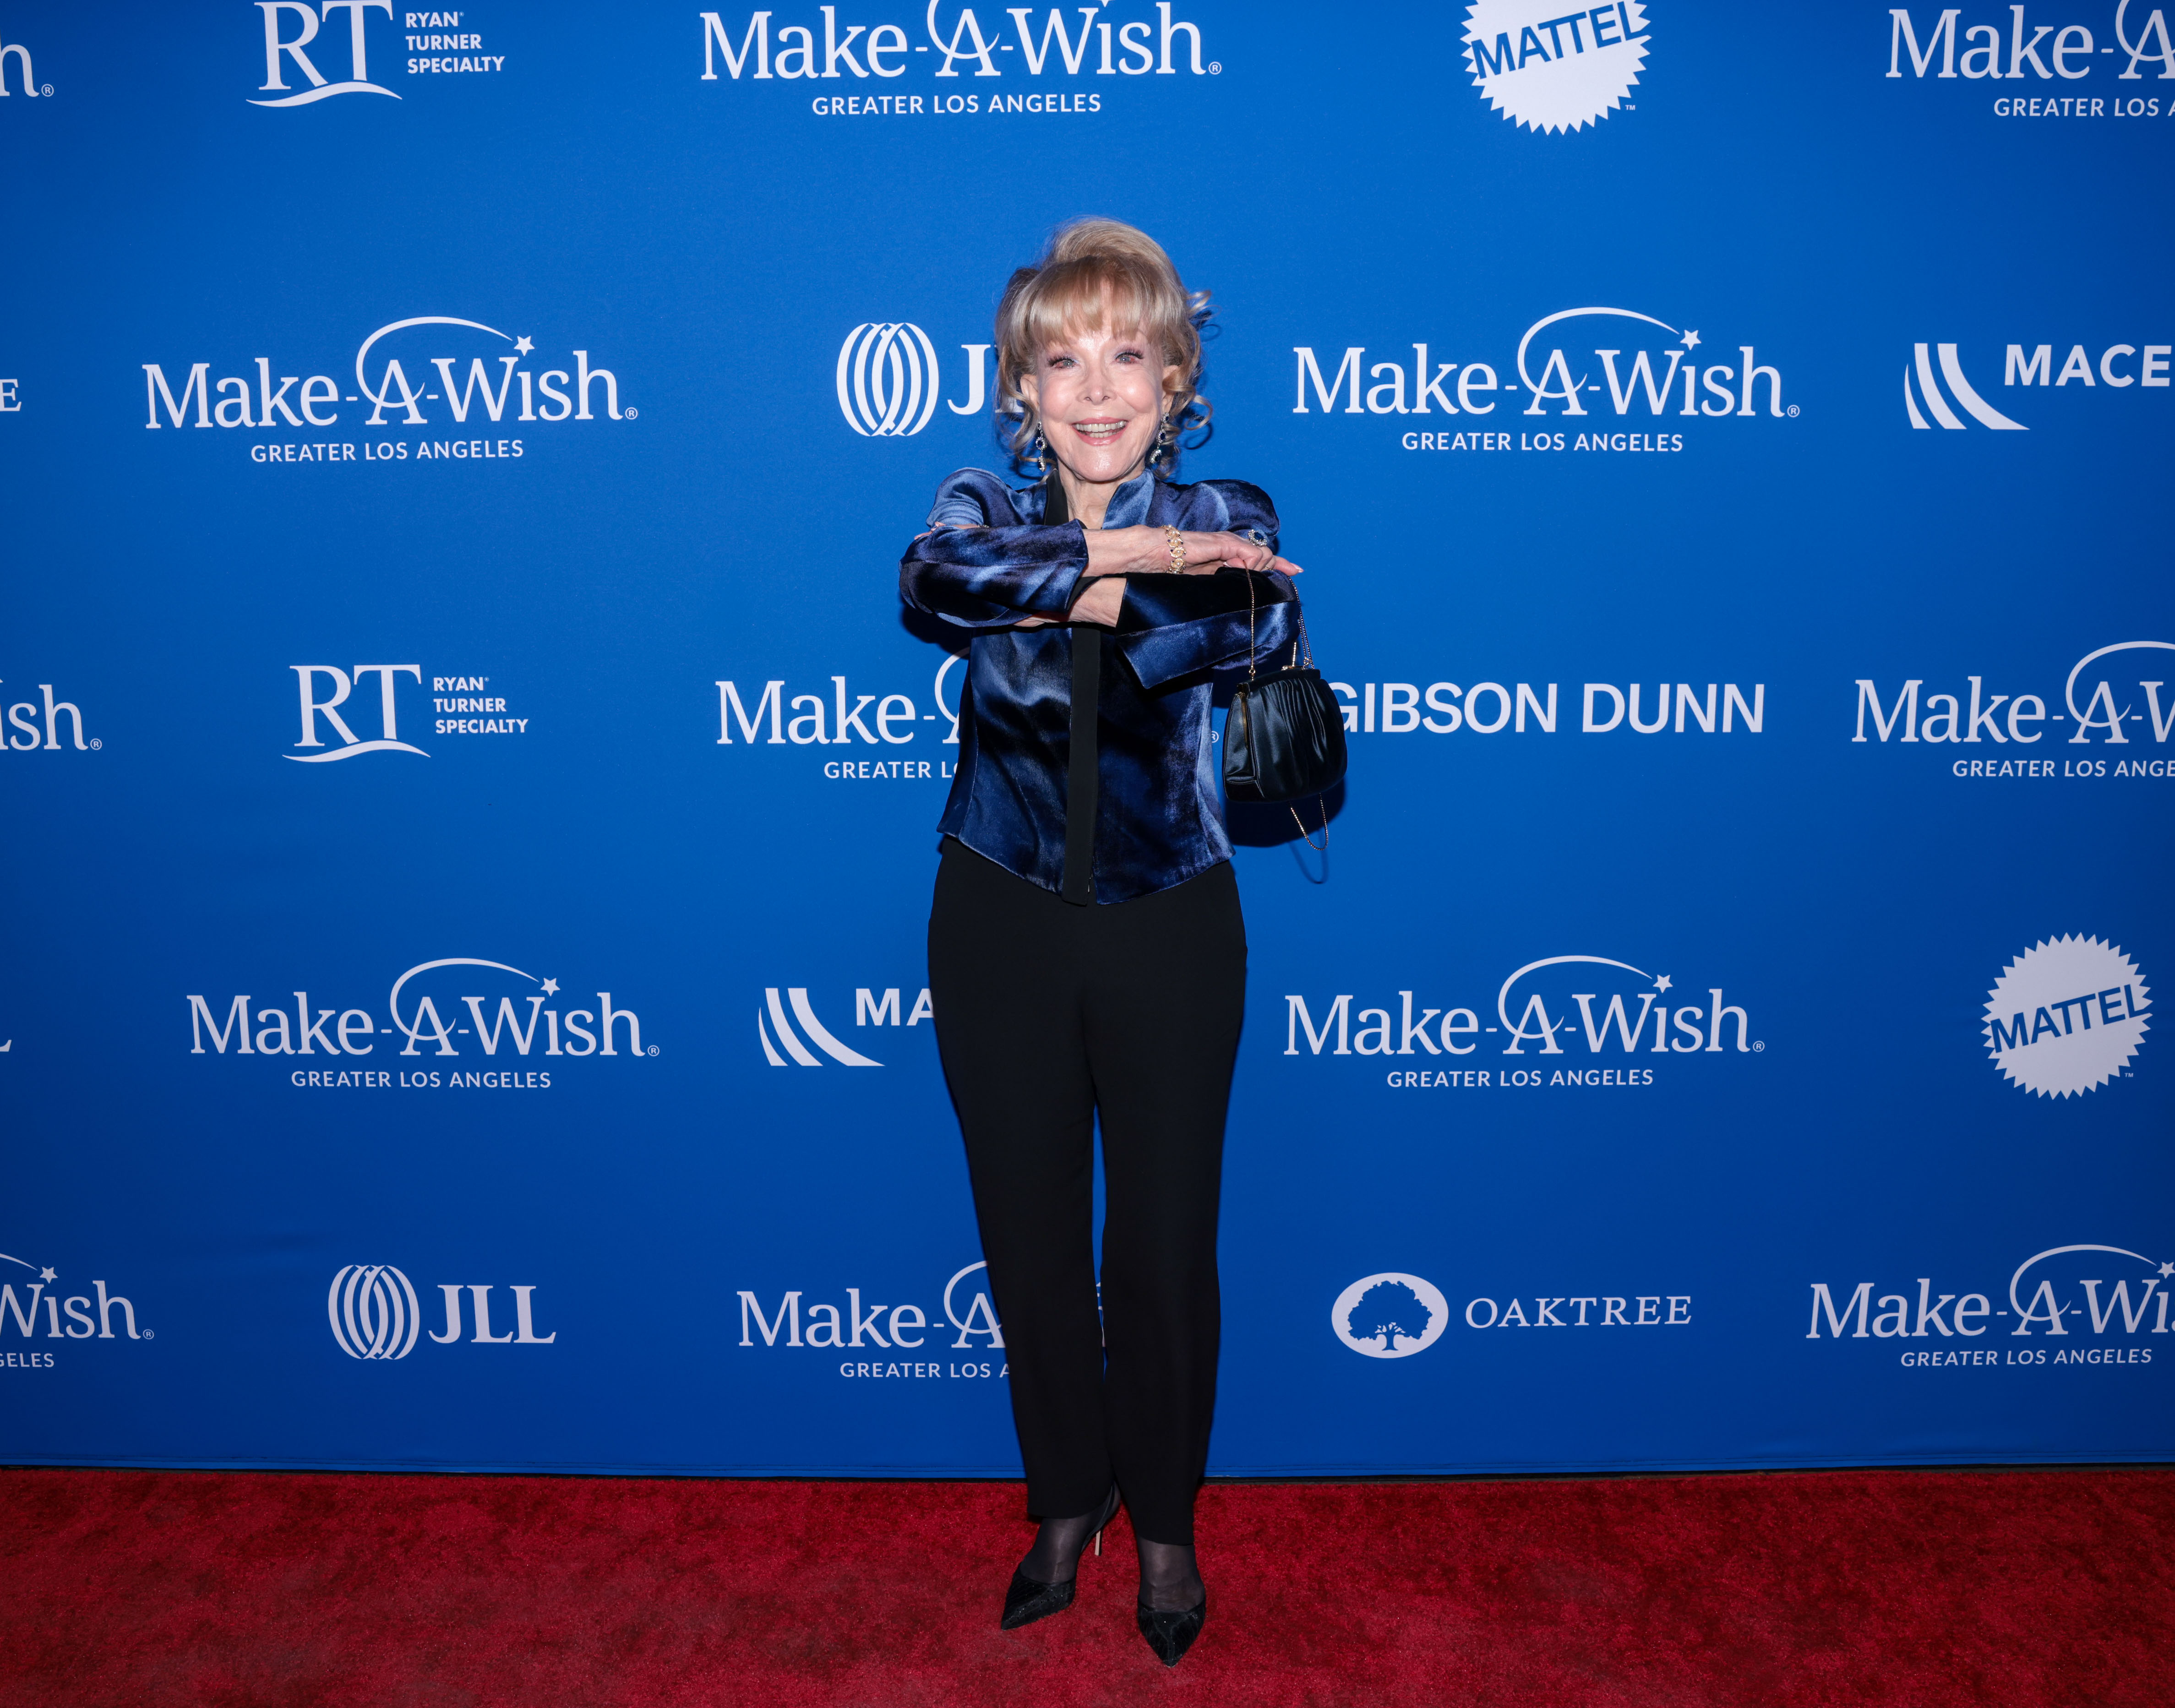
(470, 785)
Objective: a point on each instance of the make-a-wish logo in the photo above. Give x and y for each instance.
(21, 55)
(793, 1323)
(32, 728)
(65, 1317)
(1555, 71)
(1565, 372)
(406, 355)
(2055, 1292)
(428, 1007)
(1623, 1015)
(435, 44)
(889, 380)
(872, 1008)
(1389, 1316)
(376, 1315)
(2066, 1016)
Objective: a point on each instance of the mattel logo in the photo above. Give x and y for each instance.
(1555, 71)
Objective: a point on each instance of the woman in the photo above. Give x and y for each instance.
(1087, 957)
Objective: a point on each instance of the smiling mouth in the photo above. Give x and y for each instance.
(1099, 432)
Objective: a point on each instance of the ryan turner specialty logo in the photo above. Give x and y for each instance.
(376, 1315)
(2066, 1016)
(432, 50)
(1554, 71)
(462, 705)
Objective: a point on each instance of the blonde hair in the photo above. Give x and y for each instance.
(1095, 275)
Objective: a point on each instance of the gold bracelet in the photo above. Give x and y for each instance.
(1177, 549)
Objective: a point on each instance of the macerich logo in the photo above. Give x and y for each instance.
(1554, 71)
(1389, 1316)
(2119, 366)
(374, 1313)
(1972, 403)
(2066, 1016)
(871, 1008)
(888, 382)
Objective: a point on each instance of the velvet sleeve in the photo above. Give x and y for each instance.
(981, 566)
(1180, 625)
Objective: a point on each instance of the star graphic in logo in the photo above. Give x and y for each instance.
(2168, 1269)
(551, 987)
(1691, 340)
(523, 345)
(1661, 982)
(51, 1275)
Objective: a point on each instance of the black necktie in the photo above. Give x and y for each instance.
(1080, 783)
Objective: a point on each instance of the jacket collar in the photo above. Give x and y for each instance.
(1128, 504)
(1128, 507)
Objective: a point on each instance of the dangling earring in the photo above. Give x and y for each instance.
(1163, 444)
(1041, 463)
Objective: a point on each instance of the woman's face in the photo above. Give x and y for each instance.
(1100, 396)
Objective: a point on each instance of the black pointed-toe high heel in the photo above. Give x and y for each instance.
(1028, 1599)
(1171, 1635)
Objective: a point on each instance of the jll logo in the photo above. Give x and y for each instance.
(376, 1315)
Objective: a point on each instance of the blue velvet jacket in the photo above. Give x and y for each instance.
(987, 562)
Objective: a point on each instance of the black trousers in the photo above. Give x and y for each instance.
(1049, 1014)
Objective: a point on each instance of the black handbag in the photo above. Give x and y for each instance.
(1284, 738)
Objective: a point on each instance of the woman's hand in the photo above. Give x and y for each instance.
(1147, 551)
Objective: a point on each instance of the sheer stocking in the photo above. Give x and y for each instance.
(1171, 1578)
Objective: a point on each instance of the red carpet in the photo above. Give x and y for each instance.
(1904, 1590)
